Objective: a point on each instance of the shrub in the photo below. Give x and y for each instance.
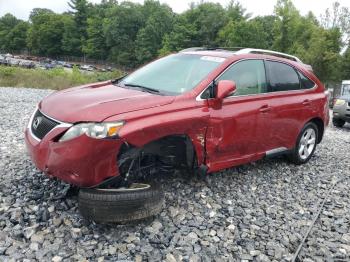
(57, 78)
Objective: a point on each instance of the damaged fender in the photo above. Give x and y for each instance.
(191, 121)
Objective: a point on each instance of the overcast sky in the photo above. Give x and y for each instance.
(22, 8)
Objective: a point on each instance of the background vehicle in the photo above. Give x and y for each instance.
(337, 91)
(345, 88)
(87, 67)
(341, 109)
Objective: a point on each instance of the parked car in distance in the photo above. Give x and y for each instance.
(68, 65)
(49, 66)
(200, 109)
(87, 67)
(4, 61)
(13, 62)
(341, 108)
(27, 64)
(8, 55)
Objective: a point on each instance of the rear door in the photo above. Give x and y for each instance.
(291, 100)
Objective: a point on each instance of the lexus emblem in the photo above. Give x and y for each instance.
(37, 121)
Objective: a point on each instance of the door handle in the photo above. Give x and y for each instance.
(306, 102)
(265, 109)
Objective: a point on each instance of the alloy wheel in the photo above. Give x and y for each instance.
(307, 143)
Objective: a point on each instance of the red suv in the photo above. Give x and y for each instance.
(202, 109)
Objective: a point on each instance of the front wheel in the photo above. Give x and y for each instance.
(125, 204)
(306, 144)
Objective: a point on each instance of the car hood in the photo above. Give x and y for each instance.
(96, 102)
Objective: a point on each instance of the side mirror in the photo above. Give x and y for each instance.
(224, 88)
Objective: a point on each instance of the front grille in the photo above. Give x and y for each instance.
(41, 125)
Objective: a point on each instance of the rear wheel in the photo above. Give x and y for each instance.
(306, 144)
(338, 122)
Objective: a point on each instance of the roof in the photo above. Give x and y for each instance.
(217, 53)
(226, 53)
(345, 82)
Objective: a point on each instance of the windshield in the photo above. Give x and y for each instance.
(346, 90)
(174, 74)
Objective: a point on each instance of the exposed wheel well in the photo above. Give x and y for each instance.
(170, 152)
(320, 126)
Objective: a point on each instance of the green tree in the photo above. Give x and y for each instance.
(120, 27)
(338, 17)
(267, 23)
(16, 38)
(244, 34)
(183, 35)
(285, 26)
(345, 64)
(71, 42)
(236, 12)
(81, 11)
(7, 23)
(130, 34)
(95, 45)
(324, 54)
(199, 26)
(149, 38)
(46, 33)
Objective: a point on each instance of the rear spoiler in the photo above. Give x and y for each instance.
(308, 67)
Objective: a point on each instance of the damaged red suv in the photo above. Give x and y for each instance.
(200, 109)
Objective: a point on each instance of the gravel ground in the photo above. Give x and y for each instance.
(257, 212)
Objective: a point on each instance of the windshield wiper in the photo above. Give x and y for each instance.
(148, 89)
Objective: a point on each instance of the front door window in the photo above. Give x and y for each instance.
(249, 76)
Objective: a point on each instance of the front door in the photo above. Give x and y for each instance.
(232, 137)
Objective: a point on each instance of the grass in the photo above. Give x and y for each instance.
(56, 79)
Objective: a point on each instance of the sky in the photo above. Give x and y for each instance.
(22, 8)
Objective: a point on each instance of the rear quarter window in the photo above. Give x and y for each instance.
(282, 77)
(306, 83)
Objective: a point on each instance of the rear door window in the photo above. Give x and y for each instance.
(282, 77)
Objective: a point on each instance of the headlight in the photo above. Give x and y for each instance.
(94, 130)
(340, 102)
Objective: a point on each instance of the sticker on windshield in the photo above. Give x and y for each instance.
(213, 59)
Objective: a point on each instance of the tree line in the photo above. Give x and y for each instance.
(130, 34)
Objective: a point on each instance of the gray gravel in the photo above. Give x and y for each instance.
(257, 212)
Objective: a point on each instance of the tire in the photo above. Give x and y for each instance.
(120, 205)
(304, 145)
(338, 122)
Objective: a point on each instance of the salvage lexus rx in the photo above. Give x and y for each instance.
(199, 109)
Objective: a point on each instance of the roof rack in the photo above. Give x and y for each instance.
(191, 49)
(268, 52)
(204, 48)
(243, 50)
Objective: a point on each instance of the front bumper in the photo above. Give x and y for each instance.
(82, 161)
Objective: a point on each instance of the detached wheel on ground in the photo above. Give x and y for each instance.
(136, 202)
(338, 122)
(306, 144)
